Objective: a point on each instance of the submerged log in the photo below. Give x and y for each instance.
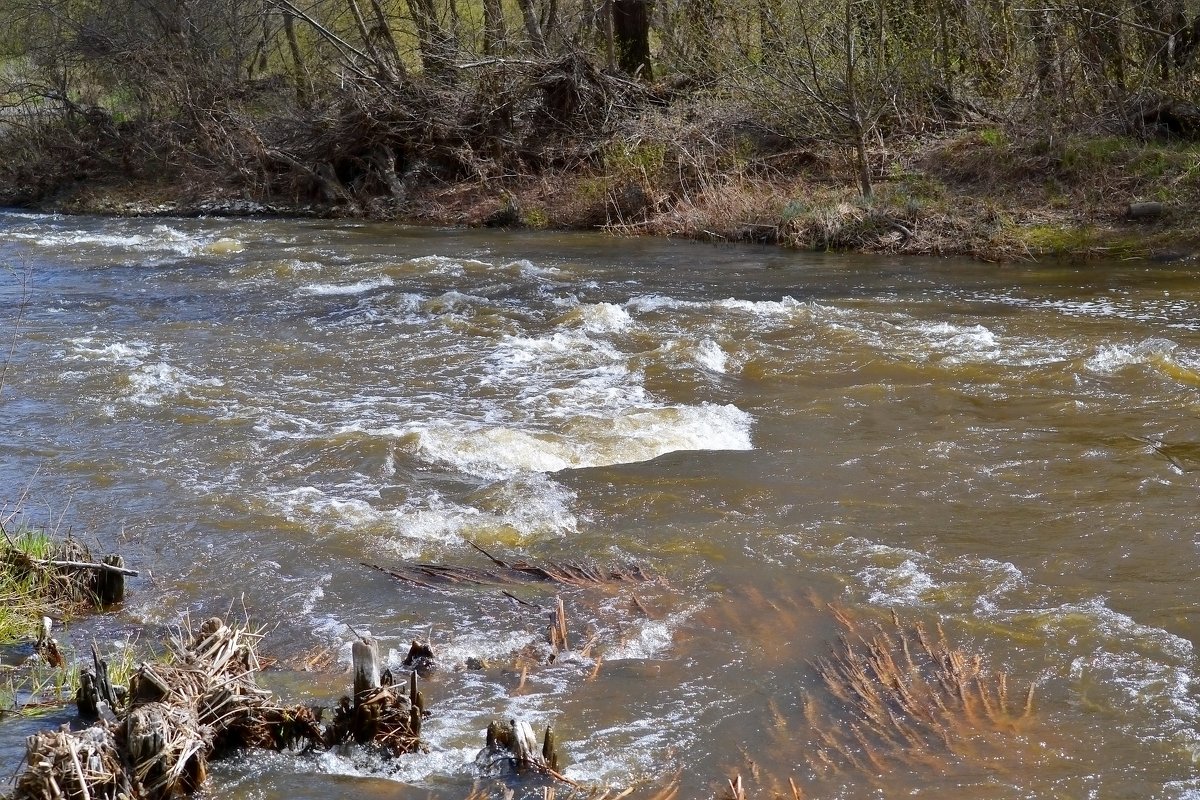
(513, 573)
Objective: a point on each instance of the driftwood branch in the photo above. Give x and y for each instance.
(51, 562)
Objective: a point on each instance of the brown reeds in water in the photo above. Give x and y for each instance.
(906, 694)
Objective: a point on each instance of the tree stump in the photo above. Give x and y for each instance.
(365, 657)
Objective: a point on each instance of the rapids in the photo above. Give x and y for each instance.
(249, 409)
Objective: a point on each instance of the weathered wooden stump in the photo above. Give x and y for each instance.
(512, 747)
(379, 711)
(420, 655)
(110, 583)
(364, 656)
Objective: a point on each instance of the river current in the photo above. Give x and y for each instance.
(251, 409)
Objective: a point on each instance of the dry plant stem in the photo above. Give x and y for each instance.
(904, 707)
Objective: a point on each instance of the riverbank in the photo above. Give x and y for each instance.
(978, 194)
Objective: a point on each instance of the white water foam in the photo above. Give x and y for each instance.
(95, 348)
(784, 308)
(151, 384)
(710, 356)
(1111, 358)
(347, 288)
(160, 239)
(604, 318)
(630, 436)
(651, 639)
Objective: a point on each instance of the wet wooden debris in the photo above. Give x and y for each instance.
(46, 645)
(62, 764)
(420, 655)
(512, 748)
(96, 697)
(155, 739)
(379, 712)
(514, 573)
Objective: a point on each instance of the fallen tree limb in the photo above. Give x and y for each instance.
(48, 562)
(514, 573)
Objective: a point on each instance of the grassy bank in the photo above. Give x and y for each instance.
(27, 594)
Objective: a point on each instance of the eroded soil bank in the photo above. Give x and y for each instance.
(978, 194)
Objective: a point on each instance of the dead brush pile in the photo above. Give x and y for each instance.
(369, 149)
(156, 739)
(43, 577)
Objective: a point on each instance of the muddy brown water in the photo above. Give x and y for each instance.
(251, 408)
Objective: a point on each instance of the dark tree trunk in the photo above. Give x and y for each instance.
(494, 33)
(631, 31)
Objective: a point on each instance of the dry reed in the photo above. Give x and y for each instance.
(906, 694)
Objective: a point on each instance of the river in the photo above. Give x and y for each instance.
(250, 409)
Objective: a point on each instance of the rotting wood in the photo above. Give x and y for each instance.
(512, 748)
(420, 655)
(365, 659)
(47, 646)
(1146, 210)
(68, 574)
(557, 634)
(96, 697)
(380, 713)
(108, 565)
(110, 581)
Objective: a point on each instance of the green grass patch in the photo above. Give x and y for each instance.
(26, 591)
(1059, 240)
(1084, 154)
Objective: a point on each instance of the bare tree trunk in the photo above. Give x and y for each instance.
(303, 83)
(631, 29)
(610, 48)
(381, 67)
(533, 27)
(436, 48)
(771, 33)
(853, 109)
(494, 32)
(384, 30)
(1045, 49)
(550, 21)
